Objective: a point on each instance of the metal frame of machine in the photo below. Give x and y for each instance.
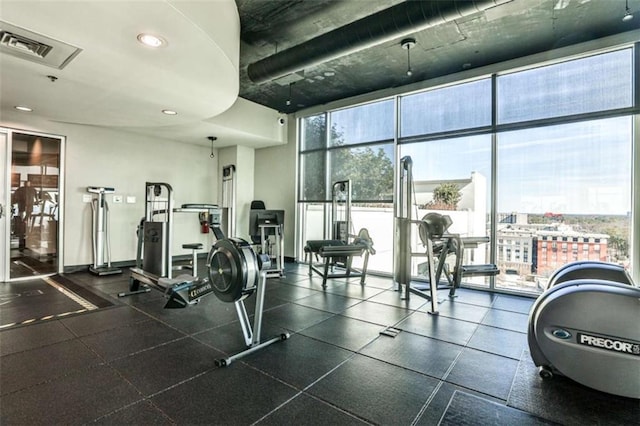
(438, 246)
(100, 232)
(155, 238)
(340, 250)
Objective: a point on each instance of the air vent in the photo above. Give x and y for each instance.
(24, 44)
(29, 45)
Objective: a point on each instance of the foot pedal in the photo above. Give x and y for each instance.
(390, 331)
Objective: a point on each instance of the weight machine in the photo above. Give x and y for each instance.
(339, 251)
(439, 245)
(228, 202)
(263, 225)
(154, 257)
(100, 232)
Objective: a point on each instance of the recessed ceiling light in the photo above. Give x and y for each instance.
(23, 108)
(169, 112)
(329, 73)
(151, 40)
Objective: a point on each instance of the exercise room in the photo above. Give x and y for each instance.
(324, 212)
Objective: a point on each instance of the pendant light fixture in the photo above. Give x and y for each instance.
(288, 102)
(408, 44)
(212, 139)
(627, 13)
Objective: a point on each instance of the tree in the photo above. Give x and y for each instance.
(370, 171)
(445, 197)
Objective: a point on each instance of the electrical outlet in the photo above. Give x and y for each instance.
(131, 199)
(86, 198)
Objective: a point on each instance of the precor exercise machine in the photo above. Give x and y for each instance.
(338, 252)
(100, 232)
(585, 327)
(438, 242)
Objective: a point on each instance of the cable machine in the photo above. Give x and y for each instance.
(100, 232)
(340, 250)
(341, 210)
(439, 245)
(229, 200)
(154, 257)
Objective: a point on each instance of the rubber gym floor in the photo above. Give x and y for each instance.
(131, 362)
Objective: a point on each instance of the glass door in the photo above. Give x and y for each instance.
(5, 207)
(35, 204)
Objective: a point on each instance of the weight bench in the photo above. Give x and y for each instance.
(337, 253)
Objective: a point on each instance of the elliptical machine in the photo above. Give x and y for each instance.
(100, 232)
(585, 327)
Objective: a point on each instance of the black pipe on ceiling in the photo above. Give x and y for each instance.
(397, 21)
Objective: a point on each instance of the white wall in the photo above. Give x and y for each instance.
(243, 159)
(98, 156)
(275, 183)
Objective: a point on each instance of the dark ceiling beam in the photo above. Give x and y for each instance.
(397, 21)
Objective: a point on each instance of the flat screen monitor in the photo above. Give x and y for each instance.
(264, 217)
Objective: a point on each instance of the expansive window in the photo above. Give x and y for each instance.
(564, 194)
(593, 84)
(463, 164)
(459, 107)
(548, 147)
(353, 144)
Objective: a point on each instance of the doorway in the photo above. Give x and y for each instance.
(34, 205)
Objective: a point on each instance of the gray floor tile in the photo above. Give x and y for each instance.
(103, 320)
(234, 395)
(376, 391)
(348, 333)
(328, 302)
(295, 317)
(418, 353)
(23, 338)
(28, 368)
(141, 413)
(305, 410)
(484, 372)
(74, 399)
(508, 320)
(124, 341)
(377, 313)
(499, 341)
(164, 366)
(298, 361)
(439, 327)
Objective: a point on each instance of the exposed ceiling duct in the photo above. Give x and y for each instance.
(397, 21)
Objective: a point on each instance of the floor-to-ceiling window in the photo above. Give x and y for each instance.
(539, 159)
(564, 175)
(355, 144)
(447, 134)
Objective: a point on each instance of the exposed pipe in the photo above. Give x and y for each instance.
(397, 21)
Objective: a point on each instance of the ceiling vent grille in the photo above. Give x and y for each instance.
(24, 44)
(29, 45)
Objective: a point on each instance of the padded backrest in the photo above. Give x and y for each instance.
(258, 205)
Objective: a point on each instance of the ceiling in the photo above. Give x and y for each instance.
(314, 51)
(510, 29)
